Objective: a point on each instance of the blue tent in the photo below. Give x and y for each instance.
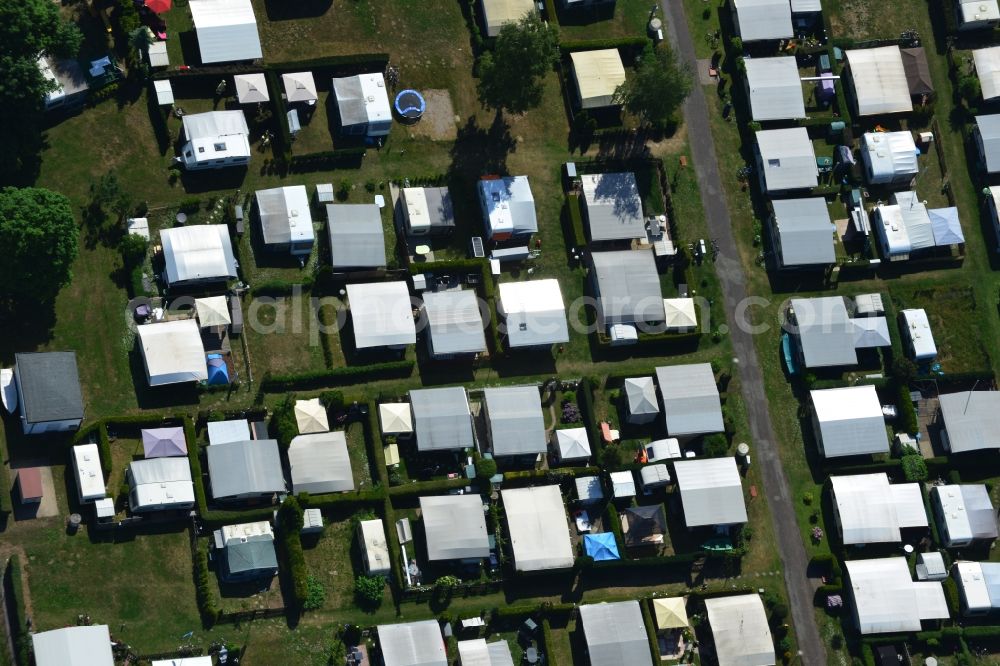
(218, 373)
(601, 546)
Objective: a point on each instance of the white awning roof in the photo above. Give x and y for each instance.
(227, 30)
(598, 74)
(988, 69)
(886, 600)
(879, 81)
(775, 88)
(534, 312)
(310, 416)
(871, 510)
(454, 527)
(212, 311)
(382, 314)
(251, 88)
(711, 491)
(320, 463)
(622, 484)
(199, 252)
(173, 352)
(74, 646)
(224, 432)
(850, 421)
(539, 533)
(740, 631)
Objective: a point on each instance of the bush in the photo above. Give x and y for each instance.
(369, 591)
(189, 205)
(344, 375)
(914, 468)
(486, 468)
(133, 249)
(283, 426)
(204, 595)
(715, 445)
(315, 594)
(332, 399)
(290, 520)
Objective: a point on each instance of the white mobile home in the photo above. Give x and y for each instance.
(89, 476)
(869, 509)
(215, 139)
(160, 484)
(887, 600)
(533, 312)
(286, 222)
(508, 208)
(964, 514)
(374, 548)
(889, 157)
(363, 104)
(917, 335)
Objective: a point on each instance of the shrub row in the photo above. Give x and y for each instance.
(6, 504)
(376, 61)
(576, 220)
(195, 461)
(523, 477)
(429, 487)
(585, 399)
(204, 593)
(14, 590)
(651, 635)
(631, 46)
(104, 450)
(650, 339)
(345, 375)
(282, 287)
(326, 160)
(289, 537)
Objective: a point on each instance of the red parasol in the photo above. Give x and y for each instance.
(158, 6)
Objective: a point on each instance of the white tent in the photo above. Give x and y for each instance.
(740, 631)
(889, 157)
(412, 644)
(251, 88)
(198, 253)
(173, 352)
(497, 13)
(711, 492)
(589, 489)
(988, 69)
(227, 30)
(395, 418)
(477, 652)
(454, 527)
(598, 74)
(641, 400)
(879, 81)
(622, 484)
(775, 88)
(849, 421)
(680, 314)
(870, 510)
(870, 332)
(886, 600)
(310, 416)
(164, 92)
(382, 314)
(763, 19)
(320, 463)
(786, 160)
(573, 444)
(539, 533)
(299, 87)
(534, 313)
(158, 56)
(74, 646)
(212, 311)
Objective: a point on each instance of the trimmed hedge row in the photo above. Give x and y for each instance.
(429, 487)
(632, 46)
(347, 374)
(290, 545)
(521, 477)
(14, 587)
(576, 220)
(210, 611)
(104, 450)
(282, 287)
(6, 504)
(585, 400)
(378, 60)
(651, 636)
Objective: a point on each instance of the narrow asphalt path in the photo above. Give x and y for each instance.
(734, 289)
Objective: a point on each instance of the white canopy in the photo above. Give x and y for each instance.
(622, 484)
(454, 527)
(886, 600)
(573, 443)
(850, 421)
(598, 74)
(412, 644)
(477, 652)
(988, 69)
(395, 417)
(497, 13)
(173, 352)
(164, 92)
(539, 533)
(870, 510)
(680, 313)
(740, 631)
(224, 432)
(534, 312)
(199, 252)
(382, 314)
(212, 311)
(251, 88)
(310, 415)
(299, 87)
(320, 463)
(588, 489)
(775, 88)
(227, 30)
(879, 81)
(74, 646)
(711, 492)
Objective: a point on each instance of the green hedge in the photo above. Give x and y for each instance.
(6, 504)
(907, 412)
(290, 541)
(327, 160)
(194, 460)
(104, 450)
(632, 46)
(204, 592)
(15, 588)
(650, 339)
(429, 487)
(282, 287)
(647, 620)
(585, 401)
(376, 60)
(359, 498)
(344, 375)
(373, 440)
(576, 220)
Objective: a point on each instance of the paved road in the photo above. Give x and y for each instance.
(793, 553)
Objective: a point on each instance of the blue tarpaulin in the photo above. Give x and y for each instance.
(601, 546)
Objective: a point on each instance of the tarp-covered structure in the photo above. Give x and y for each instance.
(849, 421)
(878, 80)
(711, 492)
(601, 546)
(226, 29)
(320, 463)
(597, 74)
(889, 157)
(442, 418)
(454, 527)
(740, 630)
(412, 644)
(515, 420)
(804, 233)
(615, 633)
(198, 253)
(691, 403)
(382, 314)
(539, 533)
(454, 323)
(534, 313)
(887, 600)
(357, 239)
(173, 352)
(971, 420)
(871, 510)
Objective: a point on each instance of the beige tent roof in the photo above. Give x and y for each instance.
(680, 313)
(671, 613)
(213, 311)
(251, 88)
(311, 416)
(395, 417)
(598, 74)
(300, 87)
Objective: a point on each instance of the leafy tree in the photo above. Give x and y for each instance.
(486, 468)
(38, 243)
(134, 249)
(658, 87)
(914, 468)
(510, 76)
(28, 29)
(369, 590)
(715, 445)
(969, 88)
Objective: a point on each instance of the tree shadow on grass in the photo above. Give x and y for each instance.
(24, 327)
(282, 10)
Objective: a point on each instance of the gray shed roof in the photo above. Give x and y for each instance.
(691, 402)
(787, 159)
(989, 133)
(49, 385)
(517, 426)
(613, 206)
(442, 419)
(256, 553)
(616, 633)
(454, 321)
(825, 332)
(971, 419)
(804, 231)
(628, 287)
(357, 239)
(641, 395)
(412, 644)
(775, 88)
(245, 468)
